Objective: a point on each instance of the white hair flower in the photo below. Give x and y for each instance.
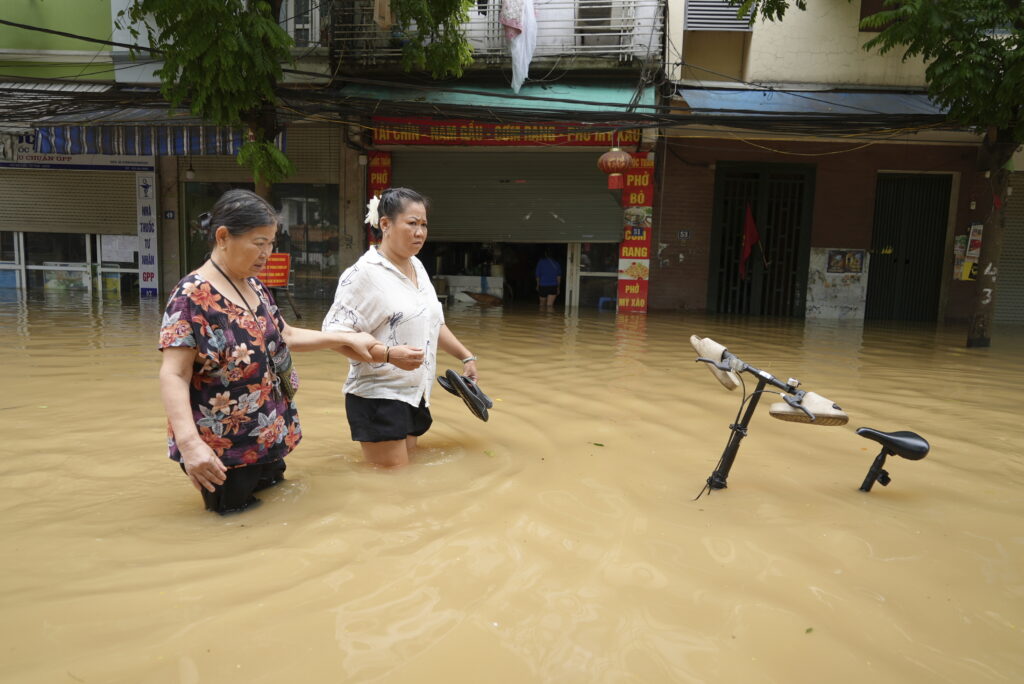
(372, 217)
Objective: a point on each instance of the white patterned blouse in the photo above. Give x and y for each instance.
(373, 296)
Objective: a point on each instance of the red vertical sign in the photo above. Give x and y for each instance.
(379, 179)
(635, 248)
(277, 269)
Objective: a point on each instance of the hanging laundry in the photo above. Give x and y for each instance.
(520, 22)
(382, 14)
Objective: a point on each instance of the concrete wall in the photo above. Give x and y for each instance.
(843, 211)
(169, 261)
(820, 46)
(42, 55)
(824, 45)
(715, 55)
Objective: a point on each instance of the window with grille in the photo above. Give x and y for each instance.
(869, 7)
(714, 15)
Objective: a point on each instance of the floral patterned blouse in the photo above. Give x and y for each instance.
(236, 405)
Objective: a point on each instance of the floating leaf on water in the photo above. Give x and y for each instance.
(488, 452)
(808, 630)
(597, 444)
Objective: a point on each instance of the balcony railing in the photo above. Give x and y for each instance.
(616, 31)
(306, 21)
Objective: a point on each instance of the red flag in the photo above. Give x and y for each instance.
(750, 238)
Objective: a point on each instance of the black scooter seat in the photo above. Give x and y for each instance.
(909, 445)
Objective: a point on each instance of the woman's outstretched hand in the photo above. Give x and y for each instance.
(360, 343)
(202, 466)
(405, 357)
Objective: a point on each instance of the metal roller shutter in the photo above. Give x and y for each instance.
(54, 201)
(512, 196)
(1010, 292)
(315, 152)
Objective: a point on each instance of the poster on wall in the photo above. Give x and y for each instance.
(959, 256)
(119, 249)
(968, 269)
(635, 248)
(146, 221)
(845, 261)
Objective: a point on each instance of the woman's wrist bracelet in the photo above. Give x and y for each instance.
(387, 354)
(468, 359)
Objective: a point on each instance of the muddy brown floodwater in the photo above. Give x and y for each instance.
(558, 542)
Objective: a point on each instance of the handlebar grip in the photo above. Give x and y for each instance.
(709, 349)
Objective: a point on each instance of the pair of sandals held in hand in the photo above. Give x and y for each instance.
(468, 391)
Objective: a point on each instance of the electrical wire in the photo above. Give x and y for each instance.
(331, 102)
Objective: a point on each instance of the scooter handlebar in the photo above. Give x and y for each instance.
(718, 359)
(808, 407)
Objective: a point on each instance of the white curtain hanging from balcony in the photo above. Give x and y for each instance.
(520, 22)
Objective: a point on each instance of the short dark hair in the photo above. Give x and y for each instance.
(240, 211)
(394, 200)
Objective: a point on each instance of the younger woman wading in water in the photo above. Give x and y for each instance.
(388, 294)
(230, 421)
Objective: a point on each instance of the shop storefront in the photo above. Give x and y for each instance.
(504, 197)
(312, 230)
(78, 222)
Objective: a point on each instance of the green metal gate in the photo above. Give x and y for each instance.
(907, 246)
(780, 197)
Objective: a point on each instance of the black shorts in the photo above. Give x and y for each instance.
(547, 290)
(236, 493)
(385, 420)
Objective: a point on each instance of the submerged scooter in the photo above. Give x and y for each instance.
(797, 406)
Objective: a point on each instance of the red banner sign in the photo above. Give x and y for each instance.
(424, 131)
(275, 271)
(635, 248)
(379, 180)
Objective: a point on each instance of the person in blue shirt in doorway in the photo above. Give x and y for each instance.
(549, 280)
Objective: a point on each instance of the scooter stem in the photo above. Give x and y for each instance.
(739, 431)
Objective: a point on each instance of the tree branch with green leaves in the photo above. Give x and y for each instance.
(435, 40)
(223, 60)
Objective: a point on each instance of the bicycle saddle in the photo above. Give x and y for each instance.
(909, 445)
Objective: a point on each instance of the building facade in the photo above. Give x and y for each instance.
(828, 161)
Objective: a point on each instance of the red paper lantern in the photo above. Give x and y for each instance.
(615, 162)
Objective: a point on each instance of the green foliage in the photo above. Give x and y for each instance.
(267, 163)
(221, 57)
(433, 36)
(769, 10)
(975, 55)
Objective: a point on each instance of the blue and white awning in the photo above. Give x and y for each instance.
(145, 141)
(138, 132)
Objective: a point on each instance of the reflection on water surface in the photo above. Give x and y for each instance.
(558, 542)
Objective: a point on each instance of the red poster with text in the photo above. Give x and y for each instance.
(635, 248)
(378, 180)
(275, 271)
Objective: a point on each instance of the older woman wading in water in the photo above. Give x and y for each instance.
(388, 294)
(226, 378)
